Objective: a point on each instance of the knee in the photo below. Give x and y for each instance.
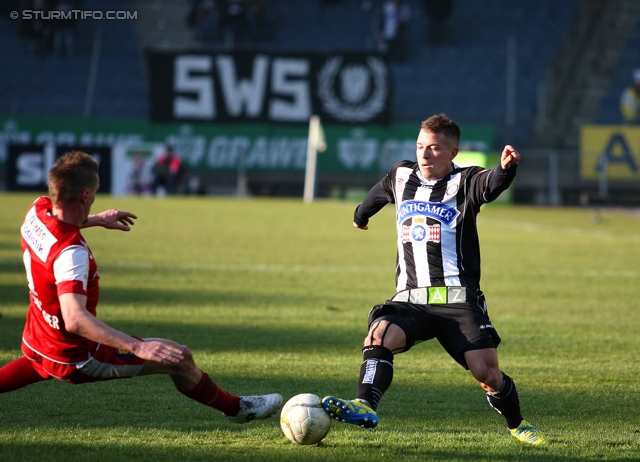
(183, 368)
(188, 355)
(188, 361)
(386, 334)
(186, 364)
(490, 379)
(484, 367)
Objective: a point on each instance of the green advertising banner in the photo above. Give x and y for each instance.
(260, 147)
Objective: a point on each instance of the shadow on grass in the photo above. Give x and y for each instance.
(14, 295)
(202, 330)
(323, 453)
(212, 338)
(213, 297)
(124, 417)
(455, 415)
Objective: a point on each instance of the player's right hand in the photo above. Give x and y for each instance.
(356, 225)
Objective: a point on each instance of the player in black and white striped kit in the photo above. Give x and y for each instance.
(437, 275)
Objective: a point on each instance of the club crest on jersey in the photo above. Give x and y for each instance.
(437, 210)
(452, 189)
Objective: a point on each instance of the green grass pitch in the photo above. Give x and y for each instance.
(272, 295)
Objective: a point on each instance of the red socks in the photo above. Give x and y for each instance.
(208, 393)
(17, 374)
(20, 373)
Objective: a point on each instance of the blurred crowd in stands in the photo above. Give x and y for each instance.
(231, 22)
(392, 30)
(49, 26)
(409, 32)
(242, 23)
(630, 100)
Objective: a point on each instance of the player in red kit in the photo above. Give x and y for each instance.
(63, 338)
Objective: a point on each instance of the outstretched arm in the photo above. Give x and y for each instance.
(500, 178)
(80, 322)
(376, 199)
(509, 157)
(111, 219)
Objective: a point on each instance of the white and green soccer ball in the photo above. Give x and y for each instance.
(303, 420)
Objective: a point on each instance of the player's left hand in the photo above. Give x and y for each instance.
(509, 157)
(161, 351)
(112, 219)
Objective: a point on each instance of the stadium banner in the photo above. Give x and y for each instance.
(28, 165)
(614, 147)
(243, 86)
(352, 150)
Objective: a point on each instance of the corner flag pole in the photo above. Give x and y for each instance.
(315, 143)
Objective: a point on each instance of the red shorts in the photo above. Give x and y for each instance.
(106, 363)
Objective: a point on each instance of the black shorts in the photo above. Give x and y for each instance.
(459, 327)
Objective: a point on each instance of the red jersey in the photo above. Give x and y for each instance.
(57, 261)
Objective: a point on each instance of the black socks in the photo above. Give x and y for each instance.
(507, 402)
(376, 374)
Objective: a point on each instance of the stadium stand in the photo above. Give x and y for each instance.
(45, 84)
(609, 112)
(575, 85)
(462, 74)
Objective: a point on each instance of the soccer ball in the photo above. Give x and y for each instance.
(303, 420)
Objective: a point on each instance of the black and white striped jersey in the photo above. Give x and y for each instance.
(436, 221)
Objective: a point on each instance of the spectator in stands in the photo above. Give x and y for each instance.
(436, 13)
(630, 100)
(138, 183)
(39, 29)
(235, 22)
(206, 19)
(64, 29)
(259, 24)
(392, 36)
(167, 172)
(23, 24)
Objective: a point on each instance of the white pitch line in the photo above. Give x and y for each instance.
(263, 267)
(613, 273)
(270, 268)
(571, 230)
(563, 272)
(255, 267)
